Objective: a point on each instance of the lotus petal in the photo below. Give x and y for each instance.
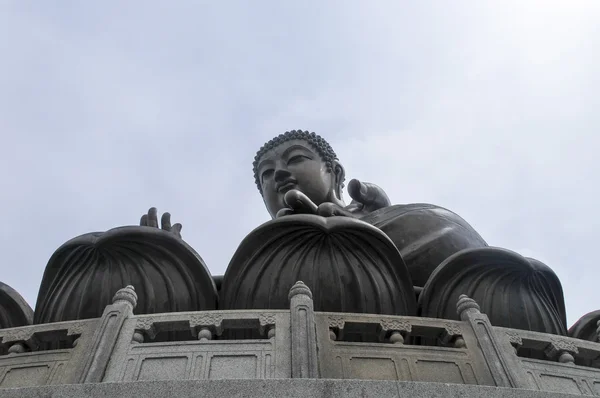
(513, 291)
(349, 265)
(83, 275)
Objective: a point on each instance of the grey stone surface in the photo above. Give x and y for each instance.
(502, 363)
(296, 343)
(106, 335)
(199, 357)
(305, 363)
(292, 388)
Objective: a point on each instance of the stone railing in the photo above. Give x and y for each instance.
(294, 344)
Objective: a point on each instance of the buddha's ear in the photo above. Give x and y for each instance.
(339, 177)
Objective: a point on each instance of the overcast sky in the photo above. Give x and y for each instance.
(488, 108)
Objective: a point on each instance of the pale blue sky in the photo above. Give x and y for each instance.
(488, 108)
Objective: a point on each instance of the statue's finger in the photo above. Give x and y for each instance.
(144, 220)
(286, 211)
(153, 217)
(165, 221)
(326, 209)
(176, 229)
(300, 202)
(329, 209)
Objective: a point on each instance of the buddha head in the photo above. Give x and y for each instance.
(298, 160)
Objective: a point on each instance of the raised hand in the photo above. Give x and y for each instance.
(366, 197)
(151, 220)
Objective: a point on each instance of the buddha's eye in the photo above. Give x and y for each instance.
(297, 159)
(266, 174)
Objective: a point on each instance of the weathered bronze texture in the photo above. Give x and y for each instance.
(514, 291)
(349, 265)
(14, 310)
(84, 273)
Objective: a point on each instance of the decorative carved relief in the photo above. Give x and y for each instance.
(392, 324)
(336, 322)
(76, 328)
(146, 324)
(14, 335)
(557, 346)
(266, 319)
(452, 329)
(515, 339)
(267, 323)
(450, 334)
(205, 320)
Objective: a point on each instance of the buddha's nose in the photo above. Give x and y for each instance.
(281, 174)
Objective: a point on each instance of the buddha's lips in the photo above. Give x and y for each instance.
(286, 186)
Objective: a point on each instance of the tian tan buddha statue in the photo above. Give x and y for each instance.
(367, 256)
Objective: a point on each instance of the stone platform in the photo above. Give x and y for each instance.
(290, 388)
(295, 352)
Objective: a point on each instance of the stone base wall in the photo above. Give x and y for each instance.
(286, 388)
(295, 352)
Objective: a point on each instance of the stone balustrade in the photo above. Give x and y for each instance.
(294, 344)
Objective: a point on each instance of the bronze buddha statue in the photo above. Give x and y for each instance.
(298, 172)
(362, 257)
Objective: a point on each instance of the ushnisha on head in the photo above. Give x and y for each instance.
(298, 161)
(299, 172)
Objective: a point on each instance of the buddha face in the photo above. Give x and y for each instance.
(294, 164)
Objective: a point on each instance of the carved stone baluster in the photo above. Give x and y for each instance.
(304, 334)
(206, 326)
(336, 327)
(515, 340)
(16, 348)
(395, 330)
(106, 335)
(504, 366)
(76, 329)
(18, 340)
(267, 324)
(144, 327)
(452, 335)
(561, 350)
(205, 334)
